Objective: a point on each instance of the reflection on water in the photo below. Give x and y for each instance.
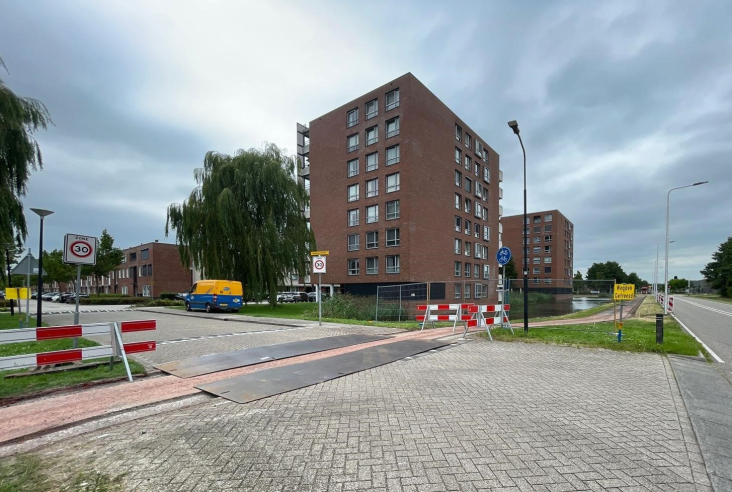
(560, 307)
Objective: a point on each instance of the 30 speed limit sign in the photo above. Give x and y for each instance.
(80, 250)
(319, 264)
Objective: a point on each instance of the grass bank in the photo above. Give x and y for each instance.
(638, 336)
(712, 297)
(30, 473)
(576, 315)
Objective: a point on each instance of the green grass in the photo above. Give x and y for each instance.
(576, 315)
(8, 322)
(29, 473)
(649, 307)
(638, 336)
(713, 297)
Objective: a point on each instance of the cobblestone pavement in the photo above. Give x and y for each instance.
(479, 416)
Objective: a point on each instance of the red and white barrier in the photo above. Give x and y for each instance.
(116, 348)
(488, 315)
(449, 312)
(670, 303)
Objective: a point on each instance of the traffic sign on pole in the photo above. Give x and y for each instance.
(503, 255)
(319, 264)
(80, 250)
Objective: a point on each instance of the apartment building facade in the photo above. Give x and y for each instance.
(551, 249)
(402, 190)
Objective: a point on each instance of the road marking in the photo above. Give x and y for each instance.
(711, 352)
(223, 335)
(715, 310)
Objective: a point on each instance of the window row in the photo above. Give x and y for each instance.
(372, 240)
(372, 187)
(473, 167)
(465, 269)
(481, 290)
(537, 249)
(537, 239)
(372, 161)
(537, 229)
(372, 134)
(478, 189)
(476, 228)
(372, 265)
(372, 108)
(479, 149)
(372, 213)
(537, 219)
(537, 260)
(481, 211)
(537, 270)
(479, 251)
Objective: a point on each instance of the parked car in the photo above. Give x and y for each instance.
(313, 296)
(284, 297)
(181, 296)
(66, 296)
(215, 295)
(56, 297)
(48, 296)
(300, 296)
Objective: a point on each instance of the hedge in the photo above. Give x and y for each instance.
(113, 300)
(168, 295)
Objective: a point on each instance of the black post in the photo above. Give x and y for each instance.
(659, 328)
(10, 284)
(39, 300)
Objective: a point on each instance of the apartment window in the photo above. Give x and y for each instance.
(537, 239)
(548, 228)
(392, 99)
(352, 117)
(372, 161)
(547, 281)
(392, 238)
(537, 219)
(352, 142)
(372, 266)
(467, 291)
(458, 179)
(392, 155)
(547, 259)
(372, 240)
(133, 256)
(535, 281)
(145, 291)
(372, 188)
(353, 193)
(468, 184)
(467, 205)
(353, 240)
(467, 140)
(548, 269)
(353, 217)
(478, 190)
(145, 254)
(468, 163)
(478, 291)
(477, 231)
(467, 227)
(547, 239)
(458, 224)
(392, 264)
(392, 127)
(353, 266)
(547, 249)
(392, 182)
(536, 260)
(478, 147)
(392, 210)
(486, 233)
(353, 168)
(458, 132)
(478, 209)
(476, 169)
(477, 250)
(458, 289)
(536, 270)
(537, 229)
(486, 272)
(372, 109)
(458, 268)
(458, 156)
(537, 250)
(476, 271)
(548, 218)
(485, 213)
(487, 175)
(458, 246)
(372, 135)
(467, 270)
(458, 201)
(467, 248)
(372, 214)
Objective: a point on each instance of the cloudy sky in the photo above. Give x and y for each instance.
(617, 101)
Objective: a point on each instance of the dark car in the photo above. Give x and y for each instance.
(300, 296)
(66, 296)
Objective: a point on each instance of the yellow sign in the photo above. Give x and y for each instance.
(319, 253)
(17, 293)
(624, 292)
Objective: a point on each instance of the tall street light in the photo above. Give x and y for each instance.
(39, 298)
(514, 126)
(8, 248)
(668, 204)
(655, 272)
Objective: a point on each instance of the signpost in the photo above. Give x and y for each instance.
(622, 292)
(503, 256)
(79, 250)
(319, 262)
(26, 265)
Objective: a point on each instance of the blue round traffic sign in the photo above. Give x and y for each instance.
(503, 255)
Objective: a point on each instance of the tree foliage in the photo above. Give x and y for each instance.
(55, 268)
(108, 258)
(677, 284)
(20, 154)
(578, 275)
(718, 272)
(611, 270)
(244, 221)
(511, 273)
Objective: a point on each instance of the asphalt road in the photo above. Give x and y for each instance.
(711, 321)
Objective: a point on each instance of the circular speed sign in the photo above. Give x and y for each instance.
(82, 249)
(319, 264)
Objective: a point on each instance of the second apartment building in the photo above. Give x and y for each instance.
(402, 190)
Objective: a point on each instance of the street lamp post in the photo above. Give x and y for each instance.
(39, 298)
(514, 126)
(655, 271)
(665, 276)
(8, 247)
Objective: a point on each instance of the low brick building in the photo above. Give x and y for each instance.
(150, 269)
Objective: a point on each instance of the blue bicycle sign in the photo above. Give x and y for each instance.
(503, 255)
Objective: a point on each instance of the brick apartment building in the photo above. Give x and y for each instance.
(147, 270)
(402, 190)
(551, 249)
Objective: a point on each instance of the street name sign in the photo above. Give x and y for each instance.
(319, 253)
(624, 292)
(503, 255)
(80, 250)
(319, 265)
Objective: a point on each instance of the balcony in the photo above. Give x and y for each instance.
(306, 213)
(305, 171)
(500, 193)
(500, 176)
(500, 210)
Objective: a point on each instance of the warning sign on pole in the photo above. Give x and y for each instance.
(319, 264)
(80, 250)
(624, 292)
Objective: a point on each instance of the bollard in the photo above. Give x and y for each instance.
(620, 335)
(659, 328)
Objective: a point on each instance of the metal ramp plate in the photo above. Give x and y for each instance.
(270, 382)
(197, 366)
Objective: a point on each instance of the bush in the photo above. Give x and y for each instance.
(106, 296)
(346, 306)
(168, 296)
(94, 301)
(164, 303)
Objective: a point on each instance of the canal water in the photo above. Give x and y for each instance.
(559, 307)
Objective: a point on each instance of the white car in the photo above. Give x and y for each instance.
(56, 298)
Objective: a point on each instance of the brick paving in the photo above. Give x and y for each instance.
(479, 416)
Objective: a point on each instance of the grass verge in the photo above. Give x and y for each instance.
(578, 314)
(649, 307)
(638, 336)
(29, 473)
(712, 297)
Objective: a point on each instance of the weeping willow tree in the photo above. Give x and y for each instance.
(20, 154)
(244, 220)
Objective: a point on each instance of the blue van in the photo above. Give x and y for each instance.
(215, 295)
